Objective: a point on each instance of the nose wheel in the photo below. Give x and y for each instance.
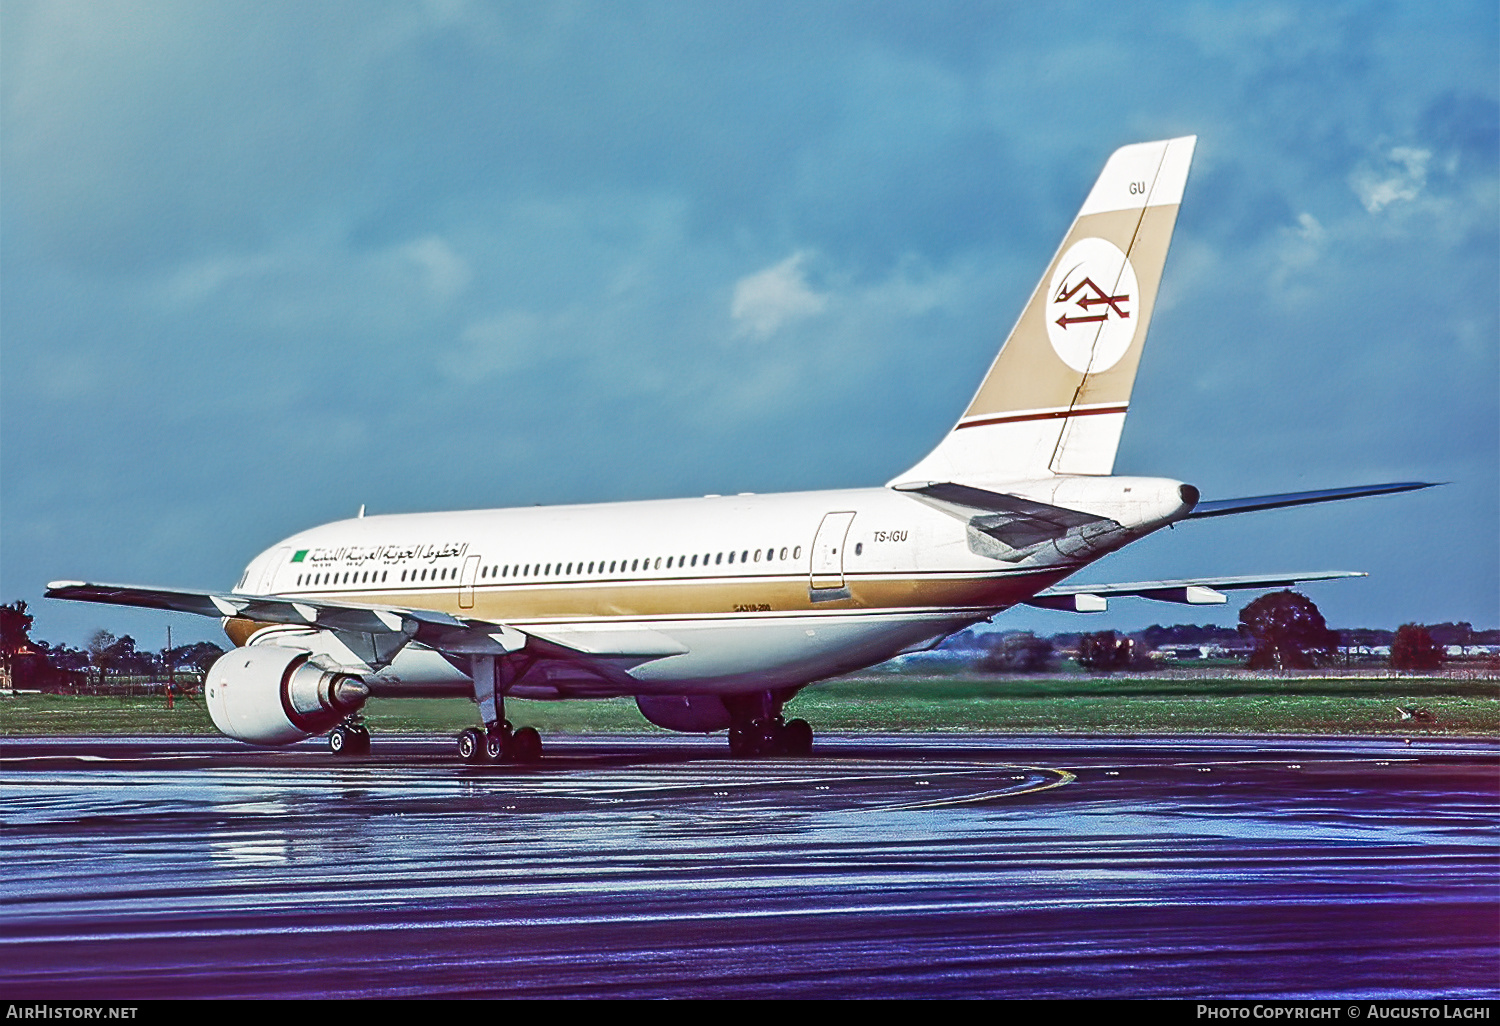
(349, 739)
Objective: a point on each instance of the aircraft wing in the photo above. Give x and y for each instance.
(377, 633)
(1193, 591)
(1249, 504)
(262, 608)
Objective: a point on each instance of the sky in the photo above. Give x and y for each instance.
(264, 263)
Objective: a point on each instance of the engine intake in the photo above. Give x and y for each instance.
(268, 695)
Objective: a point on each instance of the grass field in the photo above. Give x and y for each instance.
(892, 703)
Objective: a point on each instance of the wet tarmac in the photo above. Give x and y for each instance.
(905, 866)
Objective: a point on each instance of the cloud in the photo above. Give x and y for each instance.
(502, 344)
(1300, 248)
(351, 221)
(1403, 176)
(779, 295)
(444, 271)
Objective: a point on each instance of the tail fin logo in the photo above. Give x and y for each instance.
(1090, 306)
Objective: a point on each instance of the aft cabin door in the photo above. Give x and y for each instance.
(826, 573)
(466, 583)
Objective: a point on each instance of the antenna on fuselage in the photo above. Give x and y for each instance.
(361, 514)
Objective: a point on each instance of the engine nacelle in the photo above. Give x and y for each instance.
(268, 695)
(694, 714)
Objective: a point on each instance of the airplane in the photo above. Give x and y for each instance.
(713, 612)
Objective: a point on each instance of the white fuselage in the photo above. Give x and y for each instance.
(720, 594)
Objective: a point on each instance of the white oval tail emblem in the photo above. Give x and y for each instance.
(1091, 306)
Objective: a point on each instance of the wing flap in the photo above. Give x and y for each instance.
(1193, 591)
(612, 642)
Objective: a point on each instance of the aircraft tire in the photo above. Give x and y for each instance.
(797, 737)
(525, 745)
(768, 738)
(471, 745)
(339, 741)
(739, 743)
(496, 745)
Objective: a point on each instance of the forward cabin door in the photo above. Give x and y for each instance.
(466, 583)
(826, 572)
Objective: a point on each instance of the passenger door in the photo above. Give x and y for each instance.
(466, 583)
(826, 572)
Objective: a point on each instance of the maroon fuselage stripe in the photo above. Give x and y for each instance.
(1015, 418)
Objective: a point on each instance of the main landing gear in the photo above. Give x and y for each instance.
(349, 738)
(498, 741)
(771, 737)
(500, 744)
(756, 727)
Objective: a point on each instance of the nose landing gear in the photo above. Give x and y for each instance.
(349, 738)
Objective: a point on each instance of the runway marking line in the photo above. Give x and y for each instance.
(1063, 777)
(99, 758)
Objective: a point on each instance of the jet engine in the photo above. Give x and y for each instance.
(268, 695)
(688, 713)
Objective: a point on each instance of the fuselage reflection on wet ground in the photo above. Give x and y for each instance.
(891, 866)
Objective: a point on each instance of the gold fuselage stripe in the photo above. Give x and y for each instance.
(691, 597)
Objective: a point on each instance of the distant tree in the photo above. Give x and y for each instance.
(1157, 636)
(99, 648)
(65, 658)
(124, 657)
(1451, 633)
(15, 633)
(1367, 637)
(1289, 632)
(1105, 651)
(1018, 652)
(200, 655)
(1414, 649)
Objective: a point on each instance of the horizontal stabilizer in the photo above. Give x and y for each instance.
(1194, 591)
(1006, 526)
(1224, 507)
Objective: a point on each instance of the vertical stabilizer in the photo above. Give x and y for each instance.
(1054, 400)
